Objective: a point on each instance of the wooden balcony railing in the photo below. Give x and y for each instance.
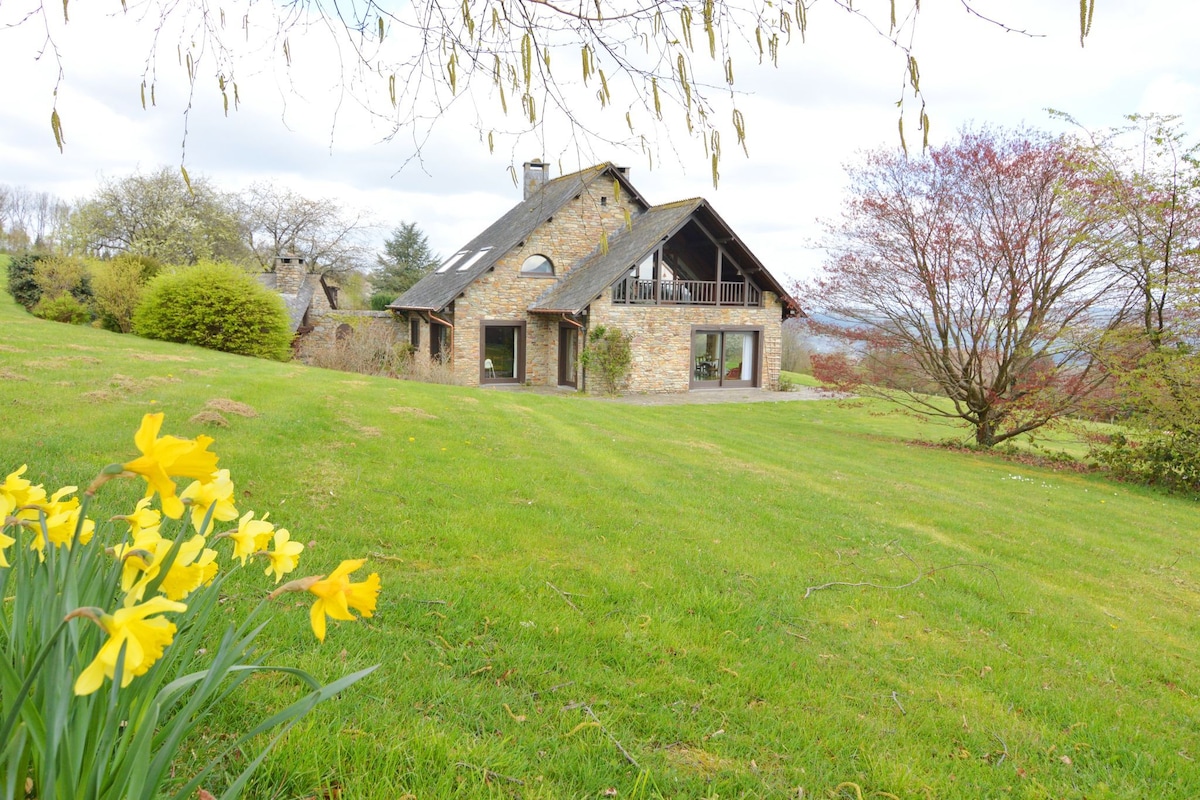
(638, 291)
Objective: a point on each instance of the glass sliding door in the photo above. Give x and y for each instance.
(502, 353)
(738, 354)
(706, 358)
(724, 358)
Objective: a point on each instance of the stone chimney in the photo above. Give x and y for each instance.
(289, 274)
(537, 175)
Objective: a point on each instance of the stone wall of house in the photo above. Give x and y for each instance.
(662, 340)
(504, 294)
(331, 325)
(320, 301)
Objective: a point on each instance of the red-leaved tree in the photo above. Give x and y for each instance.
(977, 263)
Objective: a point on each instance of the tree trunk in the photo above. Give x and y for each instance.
(985, 432)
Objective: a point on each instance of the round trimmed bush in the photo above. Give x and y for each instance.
(217, 306)
(63, 308)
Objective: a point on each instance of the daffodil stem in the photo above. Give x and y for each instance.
(11, 719)
(80, 521)
(106, 475)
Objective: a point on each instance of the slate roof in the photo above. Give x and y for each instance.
(591, 278)
(438, 289)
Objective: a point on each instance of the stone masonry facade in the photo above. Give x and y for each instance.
(662, 340)
(331, 326)
(319, 324)
(504, 294)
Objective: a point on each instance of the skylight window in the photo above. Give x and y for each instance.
(449, 262)
(473, 260)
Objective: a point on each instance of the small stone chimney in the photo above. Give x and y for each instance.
(537, 175)
(289, 274)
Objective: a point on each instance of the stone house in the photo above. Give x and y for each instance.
(306, 296)
(516, 303)
(312, 306)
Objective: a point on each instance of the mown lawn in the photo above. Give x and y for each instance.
(571, 586)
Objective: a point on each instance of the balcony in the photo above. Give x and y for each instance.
(636, 291)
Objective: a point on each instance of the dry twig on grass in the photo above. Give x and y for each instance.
(563, 595)
(490, 775)
(588, 710)
(913, 582)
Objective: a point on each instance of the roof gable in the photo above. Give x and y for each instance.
(592, 278)
(588, 280)
(440, 288)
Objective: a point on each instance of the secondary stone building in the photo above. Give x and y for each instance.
(515, 304)
(313, 313)
(307, 297)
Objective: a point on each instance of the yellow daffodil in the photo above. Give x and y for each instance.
(217, 493)
(194, 566)
(62, 516)
(61, 528)
(137, 556)
(284, 557)
(143, 637)
(143, 518)
(16, 492)
(251, 536)
(167, 456)
(336, 595)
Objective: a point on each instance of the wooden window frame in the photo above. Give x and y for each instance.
(519, 356)
(758, 355)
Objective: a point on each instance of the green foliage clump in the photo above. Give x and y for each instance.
(381, 300)
(217, 306)
(609, 353)
(1168, 459)
(64, 308)
(56, 276)
(1157, 393)
(21, 284)
(119, 285)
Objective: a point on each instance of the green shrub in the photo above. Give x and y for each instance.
(608, 354)
(1169, 459)
(217, 306)
(21, 284)
(63, 308)
(61, 275)
(119, 285)
(381, 300)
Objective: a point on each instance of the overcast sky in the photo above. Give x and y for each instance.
(829, 98)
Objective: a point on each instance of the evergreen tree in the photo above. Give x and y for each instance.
(406, 258)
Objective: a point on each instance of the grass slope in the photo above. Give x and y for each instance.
(553, 563)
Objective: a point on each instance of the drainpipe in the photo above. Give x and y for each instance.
(586, 329)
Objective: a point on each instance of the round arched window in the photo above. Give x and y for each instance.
(537, 265)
